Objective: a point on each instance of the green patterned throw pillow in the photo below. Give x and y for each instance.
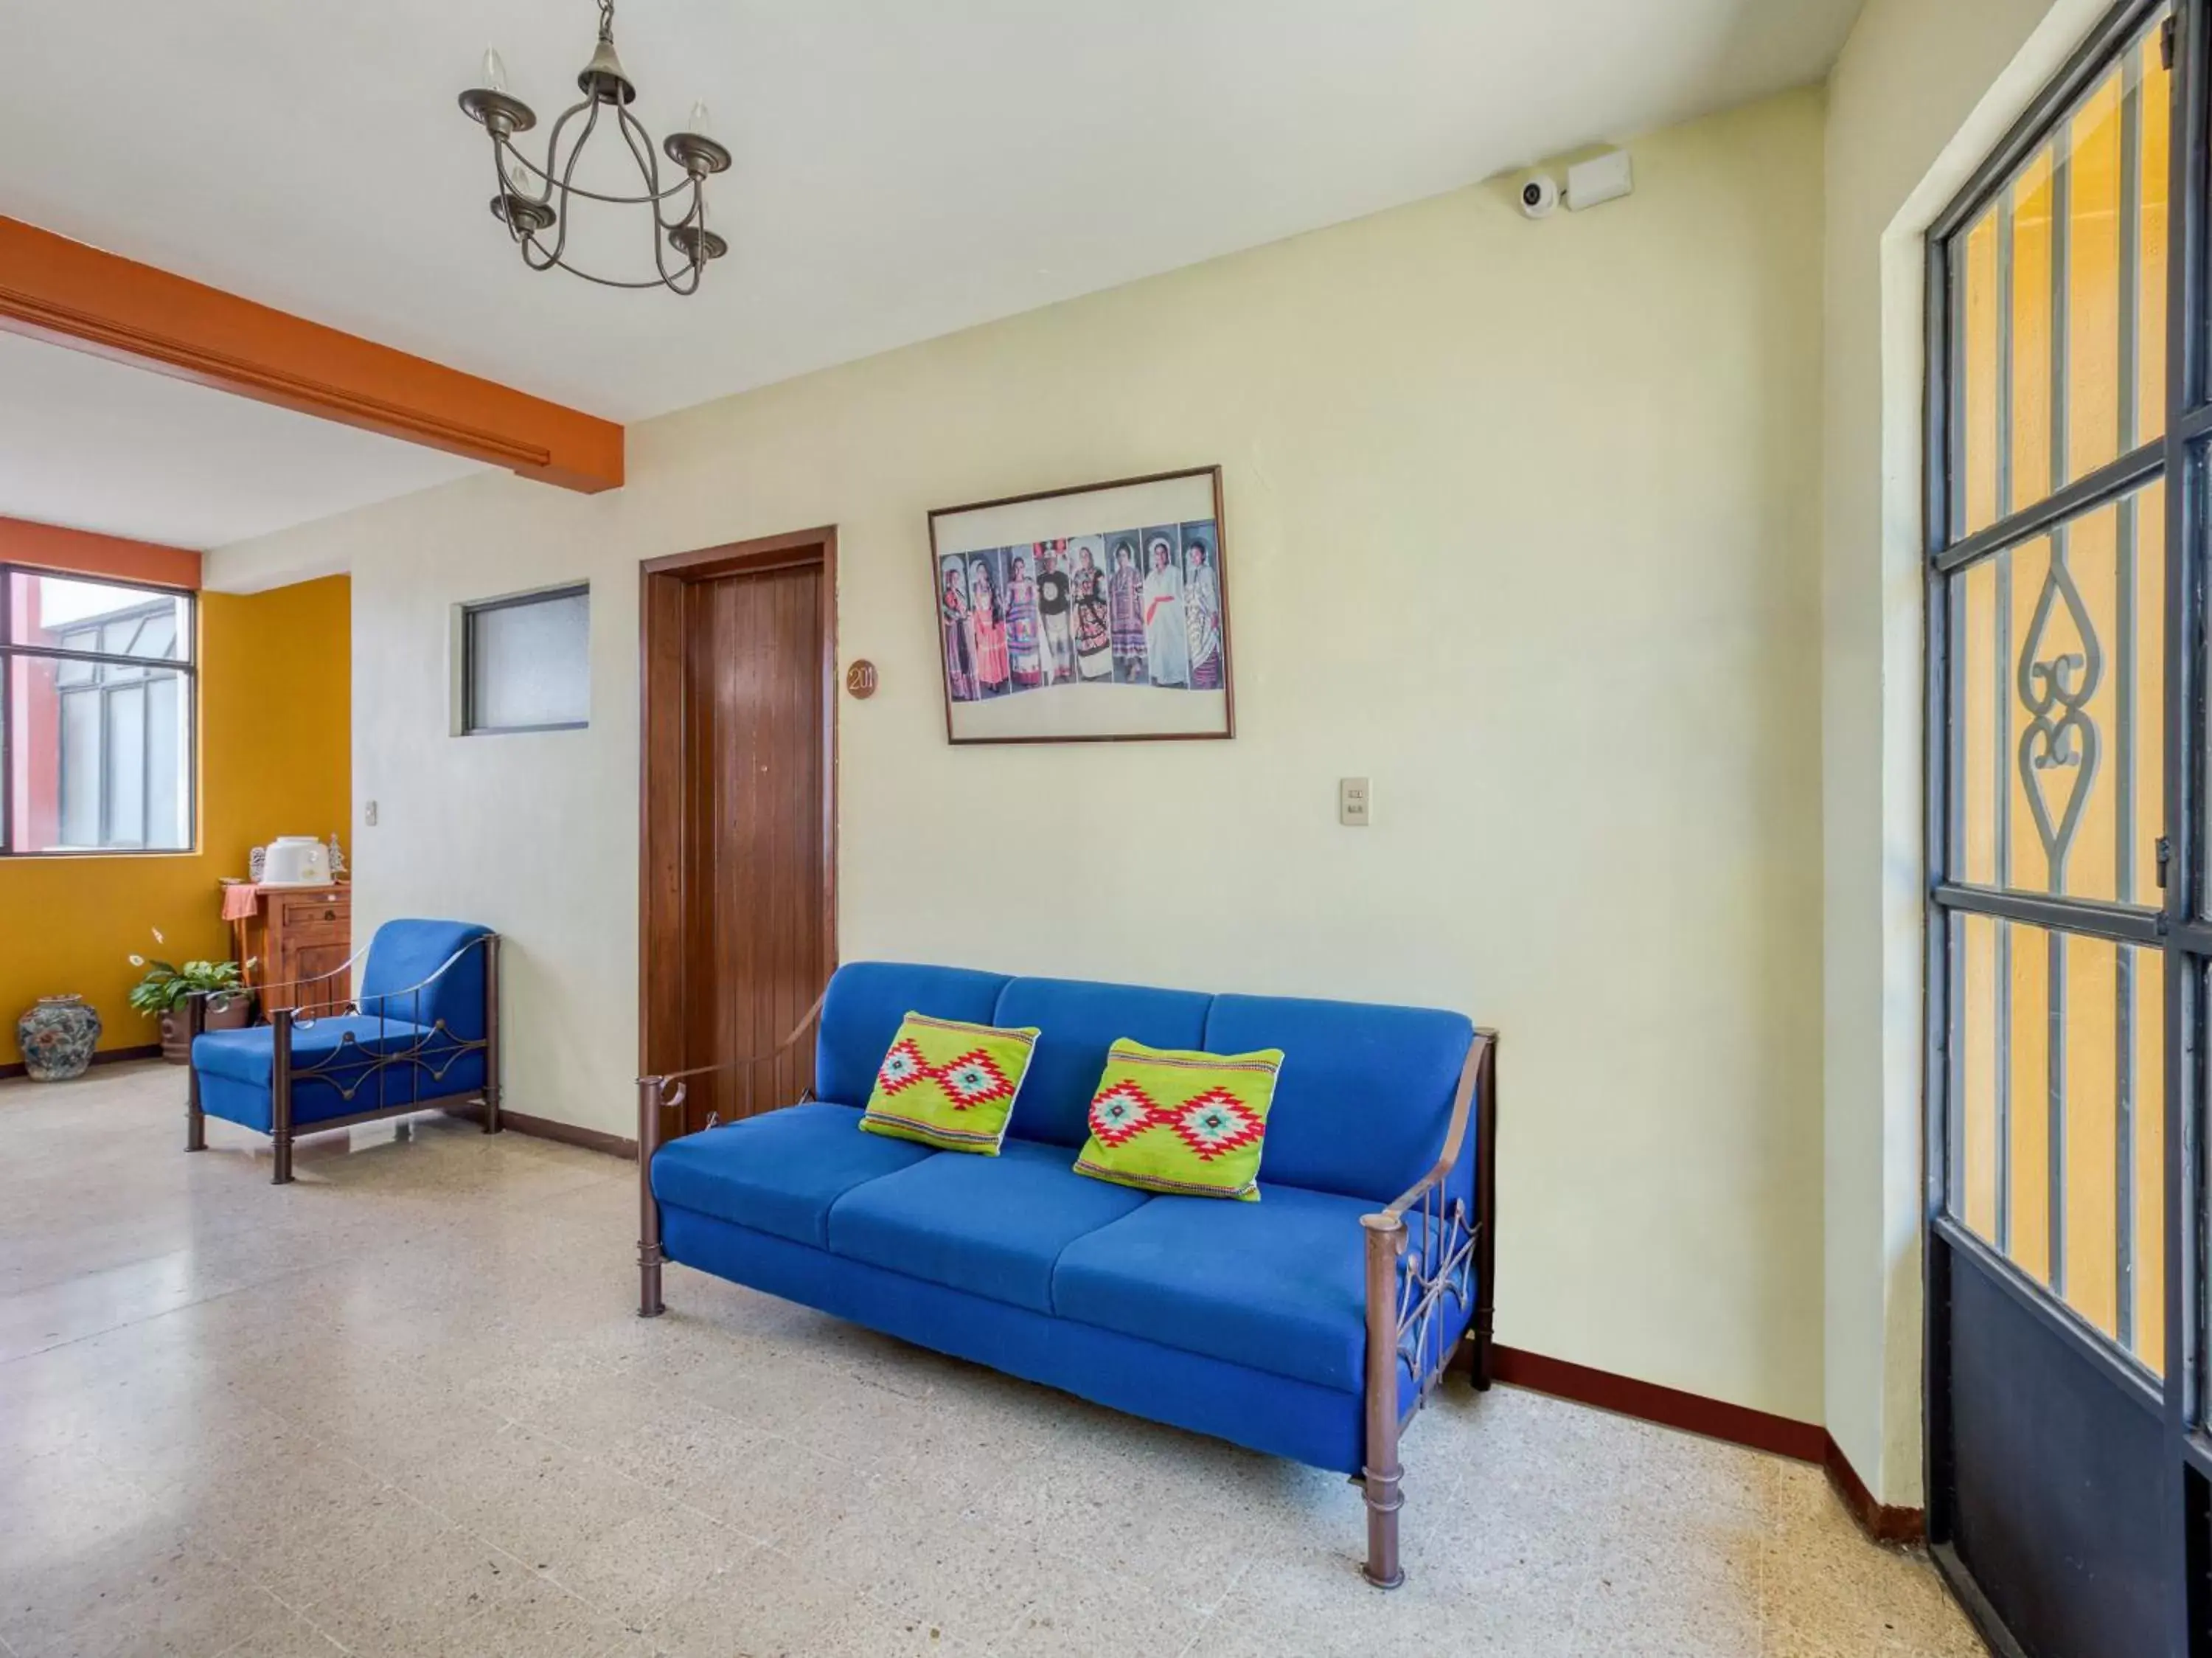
(1185, 1123)
(949, 1085)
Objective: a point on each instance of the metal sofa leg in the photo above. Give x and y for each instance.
(1386, 1237)
(649, 1256)
(1484, 1372)
(195, 1118)
(492, 1088)
(280, 1097)
(1486, 1211)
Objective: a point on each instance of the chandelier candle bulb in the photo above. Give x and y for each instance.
(495, 69)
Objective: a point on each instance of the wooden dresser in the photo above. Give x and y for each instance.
(297, 932)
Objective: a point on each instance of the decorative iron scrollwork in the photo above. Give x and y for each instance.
(2055, 689)
(1438, 1276)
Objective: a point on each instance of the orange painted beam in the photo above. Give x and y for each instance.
(67, 294)
(80, 552)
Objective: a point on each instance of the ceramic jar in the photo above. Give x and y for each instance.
(57, 1036)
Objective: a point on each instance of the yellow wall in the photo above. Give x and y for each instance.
(276, 718)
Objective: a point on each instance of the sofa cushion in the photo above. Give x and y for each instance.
(1365, 1093)
(949, 1083)
(860, 1017)
(993, 1227)
(1080, 1021)
(1179, 1122)
(1276, 1415)
(779, 1172)
(1278, 1285)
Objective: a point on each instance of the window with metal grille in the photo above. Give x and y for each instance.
(96, 715)
(2064, 946)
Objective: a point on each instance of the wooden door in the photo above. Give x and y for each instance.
(740, 923)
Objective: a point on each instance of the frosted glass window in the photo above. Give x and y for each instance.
(527, 662)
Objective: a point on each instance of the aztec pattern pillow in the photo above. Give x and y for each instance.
(1186, 1123)
(949, 1085)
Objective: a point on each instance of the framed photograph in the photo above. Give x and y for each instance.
(1098, 614)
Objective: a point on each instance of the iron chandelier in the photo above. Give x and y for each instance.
(533, 200)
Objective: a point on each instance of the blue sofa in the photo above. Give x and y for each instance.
(1310, 1324)
(424, 1034)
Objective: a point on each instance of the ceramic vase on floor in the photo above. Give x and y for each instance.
(57, 1036)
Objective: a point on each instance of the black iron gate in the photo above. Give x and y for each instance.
(2068, 938)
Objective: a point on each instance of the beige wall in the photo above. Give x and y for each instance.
(1922, 93)
(1522, 523)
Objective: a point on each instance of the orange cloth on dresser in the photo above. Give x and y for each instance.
(239, 900)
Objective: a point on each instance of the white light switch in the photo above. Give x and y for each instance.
(369, 814)
(1352, 803)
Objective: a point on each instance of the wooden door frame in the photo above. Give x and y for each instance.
(663, 903)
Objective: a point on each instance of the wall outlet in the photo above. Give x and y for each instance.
(1353, 802)
(369, 814)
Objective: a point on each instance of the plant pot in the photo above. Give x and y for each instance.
(231, 1010)
(58, 1035)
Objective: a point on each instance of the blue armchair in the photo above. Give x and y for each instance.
(423, 1033)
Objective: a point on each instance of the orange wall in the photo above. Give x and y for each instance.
(275, 724)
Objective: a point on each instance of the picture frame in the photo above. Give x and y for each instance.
(1096, 614)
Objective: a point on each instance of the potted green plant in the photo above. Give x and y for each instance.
(168, 987)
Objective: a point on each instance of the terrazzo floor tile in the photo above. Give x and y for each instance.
(404, 1408)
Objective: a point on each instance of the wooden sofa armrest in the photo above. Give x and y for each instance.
(1408, 1305)
(656, 1096)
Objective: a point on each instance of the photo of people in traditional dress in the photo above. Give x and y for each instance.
(1094, 628)
(1201, 605)
(1125, 608)
(1167, 637)
(971, 603)
(1136, 606)
(1024, 629)
(952, 628)
(1055, 604)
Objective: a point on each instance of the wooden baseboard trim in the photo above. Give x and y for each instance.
(591, 1139)
(1887, 1524)
(1693, 1413)
(1668, 1406)
(544, 1128)
(105, 1057)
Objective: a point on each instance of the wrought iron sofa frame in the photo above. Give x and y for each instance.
(1406, 1320)
(357, 1061)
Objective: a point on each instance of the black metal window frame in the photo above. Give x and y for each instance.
(2177, 925)
(471, 725)
(184, 665)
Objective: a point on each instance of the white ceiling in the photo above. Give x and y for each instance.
(903, 168)
(96, 445)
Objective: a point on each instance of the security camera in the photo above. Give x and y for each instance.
(1539, 196)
